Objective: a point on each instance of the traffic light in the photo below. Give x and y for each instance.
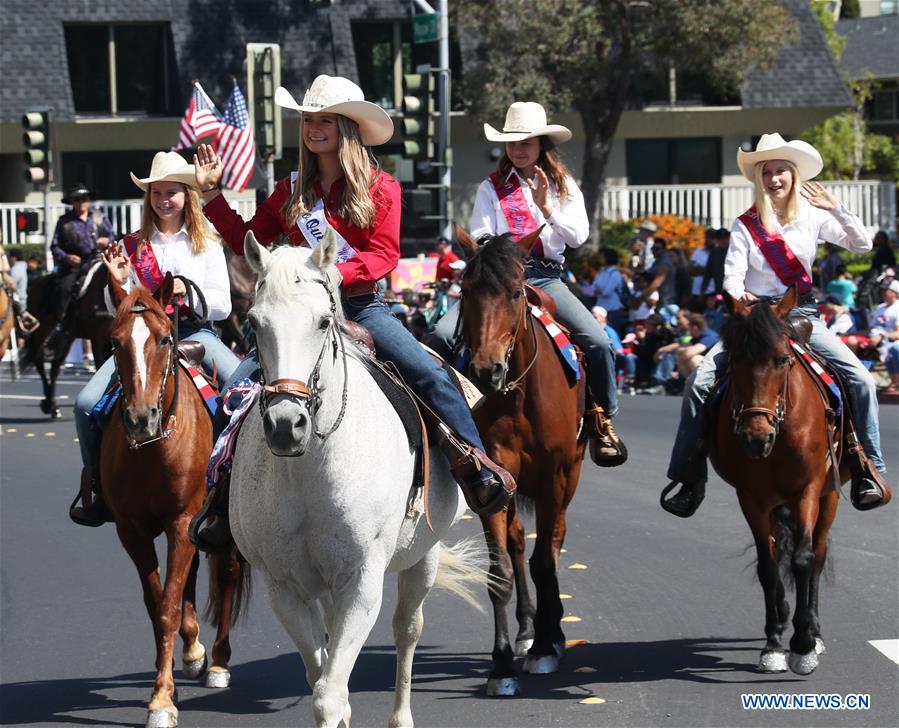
(26, 221)
(37, 146)
(418, 115)
(263, 77)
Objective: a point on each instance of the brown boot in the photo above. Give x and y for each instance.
(210, 529)
(869, 488)
(92, 511)
(487, 487)
(606, 448)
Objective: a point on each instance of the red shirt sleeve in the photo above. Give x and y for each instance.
(381, 249)
(266, 223)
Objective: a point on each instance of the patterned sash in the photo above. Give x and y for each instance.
(515, 209)
(314, 225)
(774, 248)
(146, 266)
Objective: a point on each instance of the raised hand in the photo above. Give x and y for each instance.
(540, 190)
(818, 196)
(117, 262)
(208, 168)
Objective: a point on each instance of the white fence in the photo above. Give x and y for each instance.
(709, 205)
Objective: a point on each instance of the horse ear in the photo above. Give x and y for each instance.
(469, 246)
(257, 256)
(735, 306)
(787, 303)
(116, 292)
(164, 293)
(527, 242)
(325, 253)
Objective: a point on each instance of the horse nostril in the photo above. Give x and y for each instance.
(301, 420)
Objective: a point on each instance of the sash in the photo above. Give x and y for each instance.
(146, 267)
(314, 225)
(774, 248)
(515, 209)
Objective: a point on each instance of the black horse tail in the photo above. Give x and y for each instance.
(784, 540)
(229, 576)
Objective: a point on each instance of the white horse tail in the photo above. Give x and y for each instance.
(462, 568)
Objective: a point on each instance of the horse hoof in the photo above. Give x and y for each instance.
(522, 647)
(820, 649)
(502, 687)
(218, 677)
(45, 406)
(56, 415)
(773, 661)
(192, 669)
(162, 718)
(542, 665)
(803, 664)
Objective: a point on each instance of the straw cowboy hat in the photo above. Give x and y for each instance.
(772, 146)
(168, 167)
(524, 120)
(338, 95)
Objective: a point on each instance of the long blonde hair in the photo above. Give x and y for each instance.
(550, 161)
(198, 229)
(356, 204)
(767, 215)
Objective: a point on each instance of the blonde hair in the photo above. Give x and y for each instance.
(356, 204)
(198, 229)
(550, 161)
(767, 215)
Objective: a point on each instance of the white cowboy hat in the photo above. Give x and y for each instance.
(772, 146)
(338, 95)
(168, 167)
(526, 119)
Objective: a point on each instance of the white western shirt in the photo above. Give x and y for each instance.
(745, 268)
(568, 225)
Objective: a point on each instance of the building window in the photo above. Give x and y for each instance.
(673, 161)
(889, 7)
(376, 51)
(884, 105)
(105, 77)
(106, 173)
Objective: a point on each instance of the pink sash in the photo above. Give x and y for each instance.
(145, 265)
(783, 261)
(515, 209)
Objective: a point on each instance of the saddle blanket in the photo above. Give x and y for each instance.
(236, 402)
(101, 411)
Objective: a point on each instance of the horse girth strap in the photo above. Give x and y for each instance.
(293, 387)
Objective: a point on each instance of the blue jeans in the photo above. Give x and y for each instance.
(225, 361)
(586, 334)
(858, 382)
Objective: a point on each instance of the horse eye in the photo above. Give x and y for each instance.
(517, 294)
(324, 323)
(165, 341)
(783, 361)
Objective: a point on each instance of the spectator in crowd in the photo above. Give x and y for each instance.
(693, 347)
(884, 333)
(641, 247)
(714, 269)
(18, 271)
(653, 371)
(714, 311)
(34, 269)
(448, 263)
(683, 283)
(840, 322)
(698, 262)
(662, 272)
(611, 291)
(642, 307)
(883, 253)
(827, 269)
(843, 287)
(602, 318)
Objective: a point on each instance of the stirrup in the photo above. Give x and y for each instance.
(28, 323)
(876, 486)
(685, 502)
(93, 516)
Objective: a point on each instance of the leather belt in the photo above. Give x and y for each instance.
(359, 289)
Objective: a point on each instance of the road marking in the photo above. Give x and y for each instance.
(593, 700)
(571, 618)
(888, 648)
(31, 397)
(564, 551)
(467, 517)
(29, 434)
(564, 596)
(576, 643)
(49, 434)
(585, 669)
(11, 429)
(578, 566)
(531, 535)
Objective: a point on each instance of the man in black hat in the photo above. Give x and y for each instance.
(79, 232)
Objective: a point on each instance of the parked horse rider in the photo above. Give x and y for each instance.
(174, 238)
(772, 247)
(339, 186)
(533, 188)
(79, 233)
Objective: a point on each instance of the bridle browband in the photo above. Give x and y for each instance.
(775, 416)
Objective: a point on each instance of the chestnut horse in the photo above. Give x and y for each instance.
(153, 458)
(774, 450)
(529, 424)
(7, 319)
(243, 287)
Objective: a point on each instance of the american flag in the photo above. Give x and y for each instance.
(201, 119)
(234, 143)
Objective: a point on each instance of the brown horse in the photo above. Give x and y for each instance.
(529, 423)
(90, 321)
(773, 448)
(243, 288)
(7, 318)
(153, 458)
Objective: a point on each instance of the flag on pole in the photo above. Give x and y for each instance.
(234, 143)
(201, 119)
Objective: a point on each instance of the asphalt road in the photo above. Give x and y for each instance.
(669, 611)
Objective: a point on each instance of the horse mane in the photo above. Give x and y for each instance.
(754, 336)
(139, 296)
(291, 265)
(492, 266)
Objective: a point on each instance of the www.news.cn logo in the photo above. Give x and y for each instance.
(805, 701)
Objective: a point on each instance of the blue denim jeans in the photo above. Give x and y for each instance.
(225, 361)
(858, 382)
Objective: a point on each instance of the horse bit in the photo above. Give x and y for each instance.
(309, 394)
(775, 416)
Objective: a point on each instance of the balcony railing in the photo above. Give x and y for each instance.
(709, 205)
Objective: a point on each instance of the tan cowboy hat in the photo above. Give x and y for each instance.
(338, 95)
(772, 146)
(526, 119)
(168, 167)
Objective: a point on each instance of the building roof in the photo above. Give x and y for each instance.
(869, 47)
(804, 74)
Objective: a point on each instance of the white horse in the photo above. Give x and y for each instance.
(321, 483)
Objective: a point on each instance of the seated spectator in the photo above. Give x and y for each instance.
(843, 287)
(640, 308)
(695, 345)
(884, 333)
(652, 372)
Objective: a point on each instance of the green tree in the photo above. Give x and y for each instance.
(584, 54)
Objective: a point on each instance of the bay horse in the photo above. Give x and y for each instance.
(773, 448)
(321, 487)
(243, 284)
(153, 457)
(90, 321)
(529, 423)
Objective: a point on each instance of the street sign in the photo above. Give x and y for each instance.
(424, 28)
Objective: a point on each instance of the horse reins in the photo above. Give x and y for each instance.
(775, 416)
(515, 383)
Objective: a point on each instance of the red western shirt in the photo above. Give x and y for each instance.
(378, 246)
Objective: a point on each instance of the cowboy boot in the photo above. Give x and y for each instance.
(215, 536)
(692, 492)
(92, 511)
(606, 448)
(487, 487)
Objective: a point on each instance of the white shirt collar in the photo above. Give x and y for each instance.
(182, 234)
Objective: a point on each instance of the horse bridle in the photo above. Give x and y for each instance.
(309, 394)
(775, 416)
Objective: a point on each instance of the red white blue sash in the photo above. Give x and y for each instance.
(314, 225)
(146, 266)
(774, 248)
(514, 205)
(563, 344)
